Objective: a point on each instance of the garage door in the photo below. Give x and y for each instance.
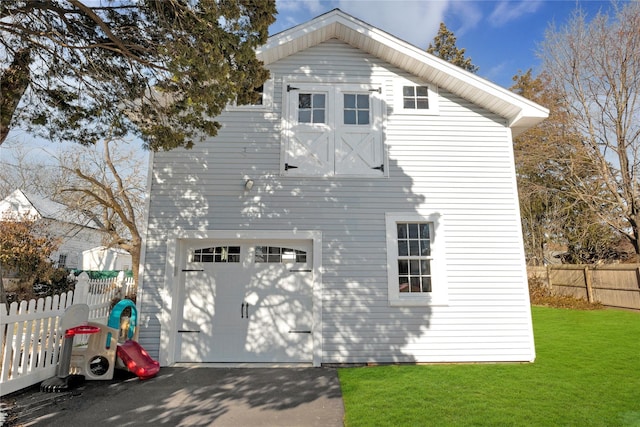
(247, 301)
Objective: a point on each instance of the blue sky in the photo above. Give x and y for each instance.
(501, 37)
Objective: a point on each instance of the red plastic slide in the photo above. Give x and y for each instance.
(137, 360)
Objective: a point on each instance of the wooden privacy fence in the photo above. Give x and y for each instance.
(613, 285)
(30, 339)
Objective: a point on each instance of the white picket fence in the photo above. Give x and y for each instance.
(30, 339)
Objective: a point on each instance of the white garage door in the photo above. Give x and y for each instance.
(247, 301)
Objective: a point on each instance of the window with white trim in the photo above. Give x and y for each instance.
(414, 256)
(415, 259)
(356, 109)
(312, 108)
(333, 130)
(264, 102)
(415, 97)
(62, 260)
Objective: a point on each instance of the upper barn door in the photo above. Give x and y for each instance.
(358, 139)
(334, 130)
(248, 301)
(309, 141)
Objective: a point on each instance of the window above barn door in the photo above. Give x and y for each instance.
(333, 131)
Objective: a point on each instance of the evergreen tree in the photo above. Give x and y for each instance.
(444, 46)
(78, 70)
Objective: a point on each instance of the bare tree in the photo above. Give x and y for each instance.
(594, 67)
(553, 219)
(109, 181)
(25, 168)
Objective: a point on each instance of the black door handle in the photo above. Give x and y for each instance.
(244, 310)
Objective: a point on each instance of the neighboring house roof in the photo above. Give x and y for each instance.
(27, 204)
(117, 251)
(520, 113)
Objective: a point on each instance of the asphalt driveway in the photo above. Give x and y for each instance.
(200, 396)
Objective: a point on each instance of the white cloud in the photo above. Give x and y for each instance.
(294, 12)
(507, 11)
(469, 14)
(496, 71)
(313, 6)
(411, 20)
(415, 21)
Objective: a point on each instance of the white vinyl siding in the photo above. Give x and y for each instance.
(458, 163)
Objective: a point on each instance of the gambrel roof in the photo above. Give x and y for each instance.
(521, 114)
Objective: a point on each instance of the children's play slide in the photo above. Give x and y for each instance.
(96, 358)
(137, 360)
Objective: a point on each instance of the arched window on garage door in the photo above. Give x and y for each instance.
(276, 254)
(217, 254)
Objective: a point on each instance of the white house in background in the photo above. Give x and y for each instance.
(77, 232)
(365, 210)
(102, 258)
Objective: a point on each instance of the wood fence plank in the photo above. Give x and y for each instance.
(614, 285)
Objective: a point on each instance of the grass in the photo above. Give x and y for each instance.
(587, 373)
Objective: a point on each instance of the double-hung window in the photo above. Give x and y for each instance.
(333, 130)
(414, 256)
(415, 259)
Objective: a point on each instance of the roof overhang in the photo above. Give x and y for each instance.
(520, 113)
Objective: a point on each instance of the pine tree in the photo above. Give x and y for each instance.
(444, 46)
(77, 70)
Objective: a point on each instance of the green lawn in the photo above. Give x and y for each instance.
(587, 373)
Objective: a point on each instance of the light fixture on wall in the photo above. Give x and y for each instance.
(248, 185)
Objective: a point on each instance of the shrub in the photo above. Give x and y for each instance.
(541, 294)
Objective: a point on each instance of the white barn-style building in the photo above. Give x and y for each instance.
(365, 211)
